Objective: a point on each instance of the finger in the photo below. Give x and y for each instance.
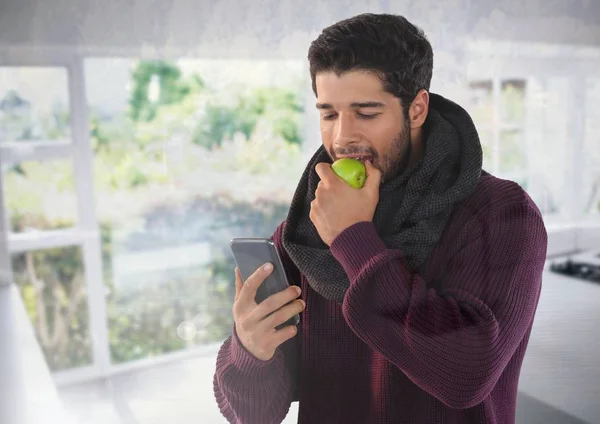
(253, 282)
(238, 284)
(283, 315)
(282, 335)
(320, 189)
(312, 214)
(275, 301)
(324, 172)
(373, 176)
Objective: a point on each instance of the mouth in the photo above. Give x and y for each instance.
(361, 158)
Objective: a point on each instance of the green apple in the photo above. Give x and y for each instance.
(350, 170)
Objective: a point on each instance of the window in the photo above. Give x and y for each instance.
(511, 116)
(121, 208)
(34, 105)
(45, 210)
(47, 263)
(40, 195)
(187, 155)
(52, 285)
(591, 147)
(498, 112)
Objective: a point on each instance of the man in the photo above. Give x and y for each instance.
(418, 291)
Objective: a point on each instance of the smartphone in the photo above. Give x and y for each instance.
(252, 253)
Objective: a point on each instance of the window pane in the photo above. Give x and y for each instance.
(52, 286)
(592, 193)
(188, 155)
(591, 155)
(512, 102)
(547, 127)
(487, 143)
(40, 195)
(481, 105)
(512, 155)
(542, 194)
(34, 104)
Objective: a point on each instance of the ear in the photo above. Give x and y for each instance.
(418, 110)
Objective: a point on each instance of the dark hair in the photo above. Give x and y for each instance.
(397, 51)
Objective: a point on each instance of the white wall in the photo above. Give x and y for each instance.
(274, 26)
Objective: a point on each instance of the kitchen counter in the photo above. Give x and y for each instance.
(562, 364)
(27, 392)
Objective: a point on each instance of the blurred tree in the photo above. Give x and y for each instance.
(16, 120)
(57, 124)
(19, 120)
(280, 107)
(129, 158)
(98, 138)
(172, 88)
(53, 290)
(143, 320)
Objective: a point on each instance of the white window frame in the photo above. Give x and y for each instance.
(6, 277)
(497, 126)
(85, 233)
(490, 59)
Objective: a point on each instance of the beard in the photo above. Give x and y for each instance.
(397, 158)
(391, 163)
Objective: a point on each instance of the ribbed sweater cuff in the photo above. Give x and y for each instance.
(356, 246)
(248, 363)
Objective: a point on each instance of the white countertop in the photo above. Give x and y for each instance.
(27, 392)
(562, 363)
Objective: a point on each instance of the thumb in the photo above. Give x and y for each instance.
(373, 176)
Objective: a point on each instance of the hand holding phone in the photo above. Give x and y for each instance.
(256, 324)
(266, 308)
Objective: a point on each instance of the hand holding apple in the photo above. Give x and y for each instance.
(350, 170)
(338, 204)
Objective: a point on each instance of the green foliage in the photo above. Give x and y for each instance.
(27, 194)
(172, 88)
(220, 122)
(186, 108)
(131, 158)
(19, 123)
(98, 137)
(53, 290)
(130, 153)
(145, 311)
(279, 107)
(134, 170)
(57, 125)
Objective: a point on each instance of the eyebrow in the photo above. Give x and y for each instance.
(356, 105)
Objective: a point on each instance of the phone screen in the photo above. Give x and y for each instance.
(252, 253)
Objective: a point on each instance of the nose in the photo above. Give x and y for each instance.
(344, 130)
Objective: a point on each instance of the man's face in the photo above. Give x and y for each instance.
(360, 119)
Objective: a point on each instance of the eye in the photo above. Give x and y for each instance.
(368, 116)
(329, 117)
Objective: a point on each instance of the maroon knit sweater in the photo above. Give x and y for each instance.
(442, 346)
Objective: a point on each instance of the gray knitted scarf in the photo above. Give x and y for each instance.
(413, 207)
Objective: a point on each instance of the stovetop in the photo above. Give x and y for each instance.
(584, 266)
